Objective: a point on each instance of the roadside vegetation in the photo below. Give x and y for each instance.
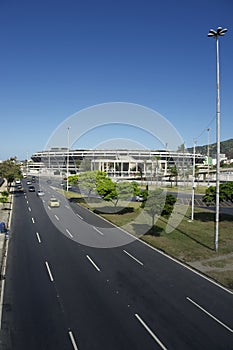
(192, 242)
(4, 198)
(225, 193)
(10, 170)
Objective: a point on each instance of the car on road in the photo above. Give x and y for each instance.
(138, 199)
(29, 182)
(54, 202)
(20, 188)
(31, 189)
(40, 193)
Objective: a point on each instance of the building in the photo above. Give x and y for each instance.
(116, 163)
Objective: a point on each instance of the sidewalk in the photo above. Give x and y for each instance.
(5, 212)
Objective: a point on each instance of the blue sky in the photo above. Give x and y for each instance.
(58, 57)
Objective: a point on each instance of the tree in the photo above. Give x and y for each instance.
(155, 165)
(181, 148)
(173, 174)
(106, 188)
(169, 205)
(10, 170)
(136, 188)
(87, 181)
(155, 203)
(225, 193)
(73, 179)
(111, 191)
(124, 190)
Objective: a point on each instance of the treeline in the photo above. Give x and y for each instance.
(226, 147)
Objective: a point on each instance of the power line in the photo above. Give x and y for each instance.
(207, 127)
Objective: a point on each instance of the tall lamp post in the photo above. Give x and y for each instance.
(193, 181)
(208, 156)
(215, 34)
(67, 161)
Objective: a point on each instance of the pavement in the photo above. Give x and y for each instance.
(5, 212)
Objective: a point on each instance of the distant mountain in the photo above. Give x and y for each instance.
(226, 147)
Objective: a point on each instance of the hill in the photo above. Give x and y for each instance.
(225, 147)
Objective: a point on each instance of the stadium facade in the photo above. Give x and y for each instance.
(116, 163)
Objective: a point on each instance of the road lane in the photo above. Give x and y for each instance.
(100, 308)
(32, 317)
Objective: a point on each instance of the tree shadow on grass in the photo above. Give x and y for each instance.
(77, 200)
(210, 216)
(157, 231)
(114, 210)
(192, 238)
(107, 209)
(145, 229)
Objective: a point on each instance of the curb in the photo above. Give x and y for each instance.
(3, 262)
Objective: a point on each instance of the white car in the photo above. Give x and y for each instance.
(40, 193)
(139, 199)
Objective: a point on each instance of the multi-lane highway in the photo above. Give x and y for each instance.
(64, 294)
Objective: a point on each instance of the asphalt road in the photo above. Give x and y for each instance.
(63, 294)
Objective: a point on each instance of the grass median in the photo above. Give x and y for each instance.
(190, 242)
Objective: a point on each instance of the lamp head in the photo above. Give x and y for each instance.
(220, 32)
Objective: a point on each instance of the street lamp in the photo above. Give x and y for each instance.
(193, 181)
(67, 161)
(208, 156)
(216, 34)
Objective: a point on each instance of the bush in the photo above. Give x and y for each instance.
(168, 206)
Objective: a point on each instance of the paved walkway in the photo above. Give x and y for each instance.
(5, 210)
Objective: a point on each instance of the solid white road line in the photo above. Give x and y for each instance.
(80, 217)
(33, 220)
(38, 237)
(150, 332)
(133, 257)
(3, 281)
(92, 262)
(97, 230)
(57, 217)
(4, 264)
(49, 271)
(73, 340)
(69, 233)
(209, 314)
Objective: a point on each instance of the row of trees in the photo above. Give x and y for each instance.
(98, 182)
(156, 202)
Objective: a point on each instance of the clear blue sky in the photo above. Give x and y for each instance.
(60, 56)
